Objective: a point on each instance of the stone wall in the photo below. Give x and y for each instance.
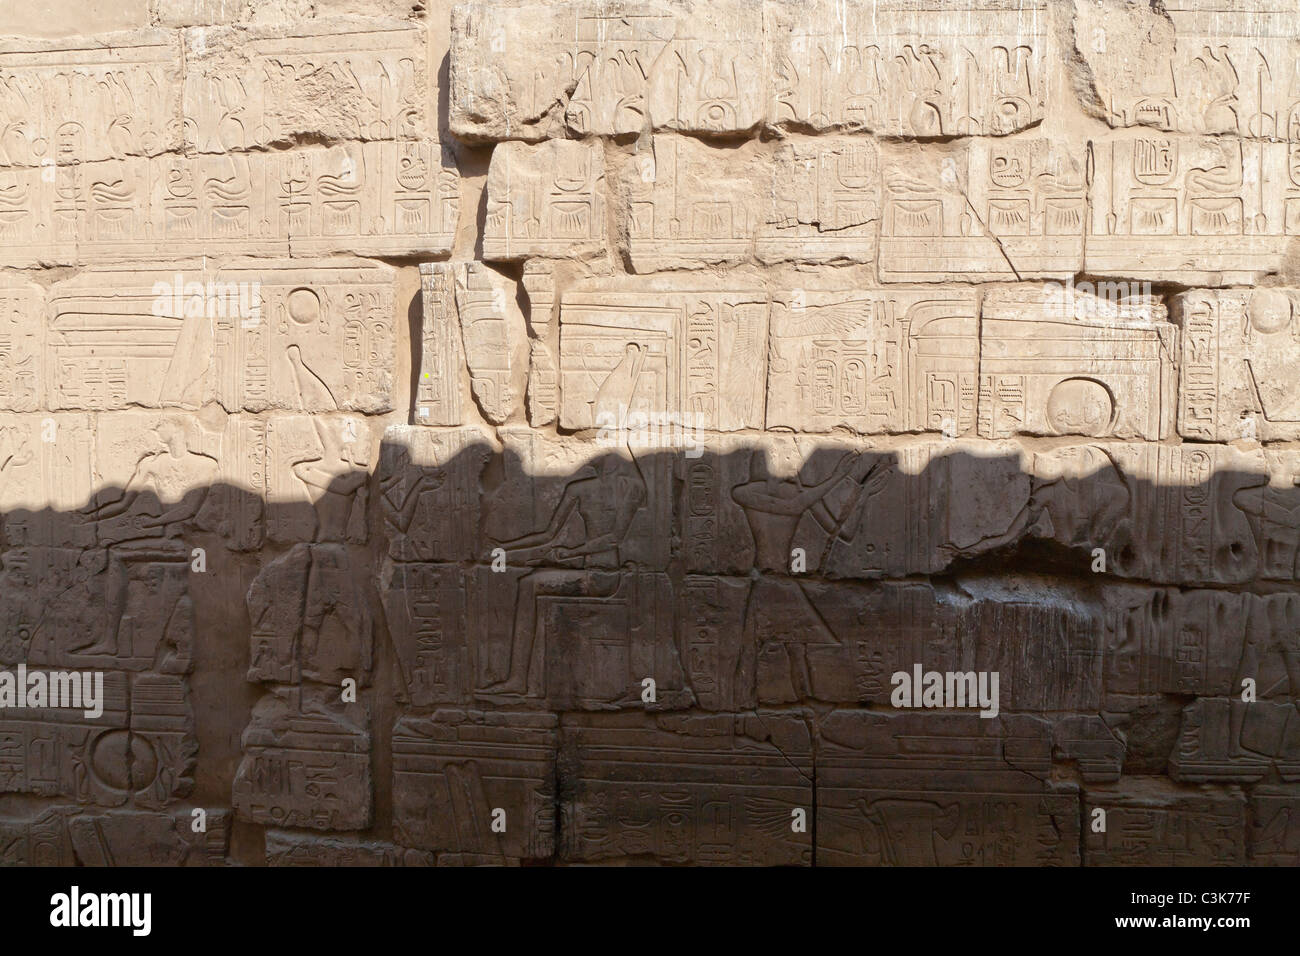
(559, 433)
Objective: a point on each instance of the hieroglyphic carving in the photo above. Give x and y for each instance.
(988, 210)
(689, 354)
(1240, 739)
(1176, 642)
(306, 762)
(378, 198)
(595, 635)
(124, 838)
(545, 200)
(716, 789)
(1273, 839)
(1237, 355)
(612, 70)
(543, 384)
(439, 389)
(452, 771)
(145, 161)
(1195, 66)
(490, 328)
(122, 608)
(287, 848)
(711, 621)
(603, 507)
(845, 641)
(689, 203)
(1153, 823)
(63, 836)
(56, 751)
(825, 201)
(631, 514)
(1162, 513)
(1047, 369)
(140, 750)
(326, 79)
(898, 69)
(605, 69)
(86, 99)
(912, 789)
(38, 840)
(1196, 210)
(311, 618)
(22, 310)
(873, 361)
(430, 492)
(425, 607)
(889, 627)
(47, 466)
(315, 337)
(1183, 514)
(577, 526)
(543, 370)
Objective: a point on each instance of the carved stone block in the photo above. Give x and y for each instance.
(1196, 66)
(1152, 823)
(688, 354)
(605, 69)
(912, 789)
(306, 762)
(873, 361)
(1211, 210)
(477, 784)
(545, 200)
(986, 210)
(288, 848)
(718, 789)
(252, 336)
(1238, 349)
(1056, 363)
(970, 69)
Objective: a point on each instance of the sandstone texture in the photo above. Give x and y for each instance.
(510, 433)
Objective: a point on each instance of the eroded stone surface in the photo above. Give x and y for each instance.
(606, 69)
(1196, 66)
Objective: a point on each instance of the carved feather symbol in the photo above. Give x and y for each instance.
(839, 318)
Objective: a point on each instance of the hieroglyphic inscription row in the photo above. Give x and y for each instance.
(891, 67)
(174, 143)
(213, 90)
(316, 336)
(614, 68)
(1148, 206)
(1021, 359)
(1199, 66)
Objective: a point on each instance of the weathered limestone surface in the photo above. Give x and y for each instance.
(514, 433)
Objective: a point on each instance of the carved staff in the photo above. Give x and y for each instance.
(849, 510)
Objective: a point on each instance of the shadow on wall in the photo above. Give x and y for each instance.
(570, 653)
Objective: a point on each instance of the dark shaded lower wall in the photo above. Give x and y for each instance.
(503, 710)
